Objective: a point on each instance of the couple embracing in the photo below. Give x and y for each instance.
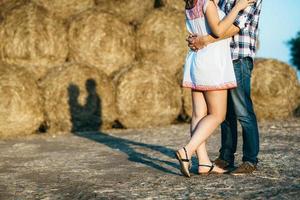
(222, 41)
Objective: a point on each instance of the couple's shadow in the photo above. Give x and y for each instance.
(87, 121)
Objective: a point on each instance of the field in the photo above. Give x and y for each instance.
(139, 164)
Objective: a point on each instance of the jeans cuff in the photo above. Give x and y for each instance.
(228, 157)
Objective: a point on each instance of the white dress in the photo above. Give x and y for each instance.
(210, 68)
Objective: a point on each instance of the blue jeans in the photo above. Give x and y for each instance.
(239, 107)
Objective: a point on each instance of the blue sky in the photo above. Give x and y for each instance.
(280, 21)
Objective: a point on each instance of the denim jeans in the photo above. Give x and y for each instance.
(240, 107)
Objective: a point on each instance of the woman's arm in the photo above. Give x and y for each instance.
(199, 42)
(219, 27)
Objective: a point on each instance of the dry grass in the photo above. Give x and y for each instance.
(33, 38)
(131, 11)
(65, 8)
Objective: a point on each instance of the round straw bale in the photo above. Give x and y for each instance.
(147, 96)
(187, 101)
(132, 11)
(297, 110)
(161, 39)
(101, 40)
(20, 102)
(65, 8)
(186, 95)
(32, 38)
(78, 98)
(274, 89)
(175, 4)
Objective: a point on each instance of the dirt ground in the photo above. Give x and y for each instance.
(139, 164)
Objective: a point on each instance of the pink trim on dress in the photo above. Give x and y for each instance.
(224, 86)
(196, 11)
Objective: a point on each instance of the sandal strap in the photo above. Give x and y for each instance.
(211, 167)
(186, 155)
(185, 160)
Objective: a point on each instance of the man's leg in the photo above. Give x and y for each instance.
(244, 111)
(228, 134)
(240, 107)
(246, 115)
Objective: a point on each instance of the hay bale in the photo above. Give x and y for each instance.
(274, 89)
(187, 101)
(132, 11)
(101, 40)
(78, 98)
(297, 110)
(147, 96)
(32, 38)
(187, 106)
(161, 39)
(174, 4)
(20, 102)
(65, 8)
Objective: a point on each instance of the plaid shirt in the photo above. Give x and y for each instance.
(244, 43)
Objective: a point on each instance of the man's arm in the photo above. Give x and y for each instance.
(242, 21)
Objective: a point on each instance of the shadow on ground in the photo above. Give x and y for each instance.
(87, 121)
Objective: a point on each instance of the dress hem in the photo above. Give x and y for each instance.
(224, 86)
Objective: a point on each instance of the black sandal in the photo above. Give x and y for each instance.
(210, 171)
(183, 169)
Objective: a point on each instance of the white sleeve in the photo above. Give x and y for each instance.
(205, 3)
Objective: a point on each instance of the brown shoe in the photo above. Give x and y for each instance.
(221, 163)
(245, 168)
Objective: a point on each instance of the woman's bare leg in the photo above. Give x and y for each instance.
(216, 102)
(199, 111)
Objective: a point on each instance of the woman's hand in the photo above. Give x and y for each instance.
(242, 4)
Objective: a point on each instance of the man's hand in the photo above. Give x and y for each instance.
(196, 42)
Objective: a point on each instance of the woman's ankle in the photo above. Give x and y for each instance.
(204, 162)
(186, 153)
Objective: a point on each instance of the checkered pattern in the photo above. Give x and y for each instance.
(244, 44)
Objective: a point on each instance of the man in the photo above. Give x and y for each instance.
(244, 34)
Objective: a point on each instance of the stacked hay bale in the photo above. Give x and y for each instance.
(161, 39)
(101, 40)
(65, 8)
(20, 102)
(81, 97)
(78, 98)
(147, 96)
(131, 11)
(33, 38)
(275, 89)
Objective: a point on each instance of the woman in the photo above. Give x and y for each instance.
(209, 73)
